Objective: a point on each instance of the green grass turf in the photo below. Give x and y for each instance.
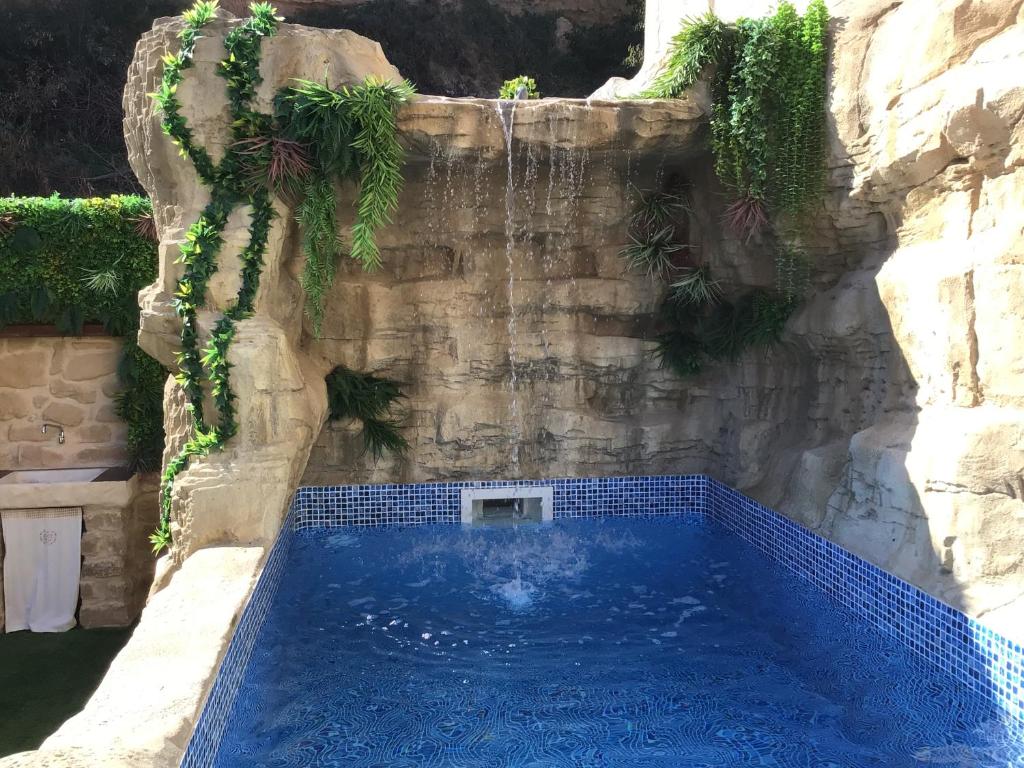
(46, 678)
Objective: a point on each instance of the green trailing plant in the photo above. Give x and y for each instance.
(352, 136)
(372, 401)
(315, 137)
(767, 136)
(68, 262)
(768, 111)
(510, 88)
(203, 240)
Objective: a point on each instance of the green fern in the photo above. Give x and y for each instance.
(352, 136)
(699, 44)
(371, 400)
(316, 215)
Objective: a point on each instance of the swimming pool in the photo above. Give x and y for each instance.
(603, 641)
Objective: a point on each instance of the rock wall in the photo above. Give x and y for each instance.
(927, 107)
(62, 380)
(840, 426)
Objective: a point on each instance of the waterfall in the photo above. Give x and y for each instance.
(507, 127)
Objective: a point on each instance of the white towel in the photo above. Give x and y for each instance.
(42, 564)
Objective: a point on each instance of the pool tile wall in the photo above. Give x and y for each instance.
(426, 503)
(970, 652)
(202, 747)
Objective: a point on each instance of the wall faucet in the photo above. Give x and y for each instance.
(60, 437)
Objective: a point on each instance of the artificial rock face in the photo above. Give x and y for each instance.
(886, 420)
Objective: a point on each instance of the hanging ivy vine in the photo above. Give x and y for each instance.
(768, 141)
(315, 136)
(768, 106)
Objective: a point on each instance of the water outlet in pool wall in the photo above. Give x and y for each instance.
(510, 505)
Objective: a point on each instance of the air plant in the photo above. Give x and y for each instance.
(145, 226)
(696, 287)
(652, 253)
(656, 210)
(104, 281)
(746, 217)
(283, 164)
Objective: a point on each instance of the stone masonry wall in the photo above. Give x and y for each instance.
(65, 380)
(72, 381)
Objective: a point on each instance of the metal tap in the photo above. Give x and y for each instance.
(60, 437)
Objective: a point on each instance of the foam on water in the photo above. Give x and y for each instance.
(640, 642)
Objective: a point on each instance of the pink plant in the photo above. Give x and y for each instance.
(282, 163)
(746, 217)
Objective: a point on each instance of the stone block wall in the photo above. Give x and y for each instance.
(72, 381)
(117, 565)
(64, 380)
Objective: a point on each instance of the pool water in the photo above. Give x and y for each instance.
(611, 642)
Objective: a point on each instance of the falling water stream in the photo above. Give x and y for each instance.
(507, 127)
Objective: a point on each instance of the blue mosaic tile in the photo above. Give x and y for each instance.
(202, 747)
(432, 503)
(937, 633)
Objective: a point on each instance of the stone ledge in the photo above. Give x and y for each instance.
(146, 707)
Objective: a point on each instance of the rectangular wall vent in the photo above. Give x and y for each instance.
(507, 505)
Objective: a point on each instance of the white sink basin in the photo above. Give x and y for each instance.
(83, 475)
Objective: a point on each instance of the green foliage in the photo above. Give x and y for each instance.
(768, 140)
(230, 187)
(635, 51)
(652, 232)
(695, 286)
(700, 43)
(792, 273)
(371, 400)
(70, 262)
(768, 113)
(509, 88)
(680, 352)
(352, 136)
(653, 252)
(320, 243)
(141, 405)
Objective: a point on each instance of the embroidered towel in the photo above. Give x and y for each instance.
(42, 564)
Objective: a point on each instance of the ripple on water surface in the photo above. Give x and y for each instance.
(639, 642)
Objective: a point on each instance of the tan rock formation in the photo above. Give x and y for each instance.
(928, 106)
